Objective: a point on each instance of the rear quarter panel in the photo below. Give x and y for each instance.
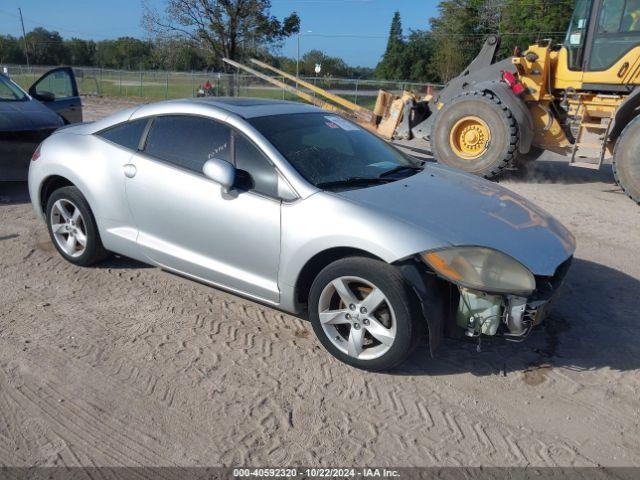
(94, 166)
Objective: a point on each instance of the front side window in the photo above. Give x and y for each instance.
(9, 92)
(126, 134)
(261, 175)
(329, 150)
(58, 82)
(188, 141)
(618, 32)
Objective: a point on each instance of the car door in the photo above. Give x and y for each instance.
(187, 223)
(58, 90)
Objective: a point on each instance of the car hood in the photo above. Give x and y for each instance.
(27, 115)
(461, 209)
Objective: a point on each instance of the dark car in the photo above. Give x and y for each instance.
(26, 119)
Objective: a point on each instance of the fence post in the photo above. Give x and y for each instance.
(282, 89)
(356, 99)
(166, 87)
(193, 84)
(120, 84)
(141, 83)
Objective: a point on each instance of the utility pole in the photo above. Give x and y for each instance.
(24, 37)
(298, 61)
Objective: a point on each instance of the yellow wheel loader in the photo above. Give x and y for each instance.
(580, 98)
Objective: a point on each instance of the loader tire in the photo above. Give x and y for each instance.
(477, 133)
(626, 160)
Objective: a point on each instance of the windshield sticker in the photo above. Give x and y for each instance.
(337, 122)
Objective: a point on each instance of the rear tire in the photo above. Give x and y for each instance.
(73, 228)
(460, 140)
(365, 314)
(626, 160)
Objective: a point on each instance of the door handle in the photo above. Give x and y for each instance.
(129, 170)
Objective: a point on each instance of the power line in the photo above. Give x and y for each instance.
(430, 33)
(57, 28)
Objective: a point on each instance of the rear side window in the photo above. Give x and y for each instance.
(188, 141)
(126, 134)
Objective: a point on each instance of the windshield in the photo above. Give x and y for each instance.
(329, 151)
(10, 92)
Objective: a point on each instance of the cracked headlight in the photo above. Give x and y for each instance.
(481, 268)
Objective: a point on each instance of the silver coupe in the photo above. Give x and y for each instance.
(298, 208)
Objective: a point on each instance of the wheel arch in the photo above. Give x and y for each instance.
(621, 160)
(61, 179)
(434, 295)
(626, 112)
(320, 260)
(50, 185)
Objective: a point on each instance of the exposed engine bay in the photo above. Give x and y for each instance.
(508, 315)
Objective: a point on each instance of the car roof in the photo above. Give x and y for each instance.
(243, 106)
(220, 107)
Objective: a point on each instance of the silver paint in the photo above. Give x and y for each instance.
(257, 246)
(220, 171)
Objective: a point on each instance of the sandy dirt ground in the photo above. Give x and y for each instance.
(123, 364)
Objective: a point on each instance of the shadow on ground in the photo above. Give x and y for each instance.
(12, 193)
(592, 324)
(119, 262)
(557, 171)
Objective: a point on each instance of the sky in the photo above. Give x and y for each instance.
(355, 30)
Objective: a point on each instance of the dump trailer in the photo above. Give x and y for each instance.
(580, 98)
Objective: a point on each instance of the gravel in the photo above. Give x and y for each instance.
(124, 364)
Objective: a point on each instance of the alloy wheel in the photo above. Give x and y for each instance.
(357, 317)
(68, 227)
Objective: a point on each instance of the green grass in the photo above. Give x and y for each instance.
(157, 86)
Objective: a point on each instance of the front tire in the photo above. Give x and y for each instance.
(364, 313)
(477, 133)
(626, 160)
(73, 228)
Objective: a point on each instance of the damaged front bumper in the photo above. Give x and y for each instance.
(448, 307)
(511, 316)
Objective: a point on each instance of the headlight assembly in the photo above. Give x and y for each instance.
(481, 268)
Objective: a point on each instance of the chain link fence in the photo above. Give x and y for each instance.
(160, 85)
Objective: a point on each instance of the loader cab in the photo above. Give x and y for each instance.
(602, 45)
(576, 38)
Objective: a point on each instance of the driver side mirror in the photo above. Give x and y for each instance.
(42, 95)
(220, 171)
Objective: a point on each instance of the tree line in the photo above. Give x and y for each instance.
(457, 33)
(49, 48)
(196, 35)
